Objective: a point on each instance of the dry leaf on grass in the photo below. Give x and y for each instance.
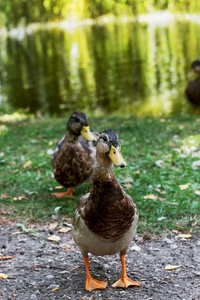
(153, 197)
(5, 195)
(4, 276)
(160, 191)
(150, 196)
(171, 267)
(128, 185)
(183, 186)
(27, 164)
(197, 192)
(55, 289)
(53, 238)
(65, 229)
(184, 236)
(58, 187)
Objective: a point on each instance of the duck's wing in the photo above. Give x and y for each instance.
(79, 212)
(192, 91)
(89, 146)
(57, 150)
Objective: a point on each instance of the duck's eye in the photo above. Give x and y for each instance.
(114, 152)
(104, 137)
(75, 119)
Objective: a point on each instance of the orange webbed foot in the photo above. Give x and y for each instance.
(93, 284)
(68, 193)
(125, 282)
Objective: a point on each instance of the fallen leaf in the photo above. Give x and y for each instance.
(58, 187)
(50, 143)
(53, 225)
(128, 185)
(159, 163)
(184, 236)
(160, 191)
(4, 276)
(171, 267)
(135, 248)
(5, 195)
(128, 179)
(197, 192)
(4, 212)
(65, 229)
(54, 238)
(55, 289)
(150, 196)
(183, 186)
(27, 164)
(6, 257)
(161, 218)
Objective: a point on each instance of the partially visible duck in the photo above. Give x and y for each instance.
(105, 220)
(192, 91)
(74, 156)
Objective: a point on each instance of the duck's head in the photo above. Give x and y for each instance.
(195, 68)
(78, 124)
(108, 147)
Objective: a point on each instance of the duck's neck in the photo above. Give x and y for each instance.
(71, 138)
(103, 169)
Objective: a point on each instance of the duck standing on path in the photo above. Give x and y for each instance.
(105, 220)
(192, 91)
(74, 156)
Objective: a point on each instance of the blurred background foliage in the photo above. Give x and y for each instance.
(50, 63)
(15, 12)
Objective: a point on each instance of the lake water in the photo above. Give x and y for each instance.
(112, 67)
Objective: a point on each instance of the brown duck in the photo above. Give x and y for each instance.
(74, 156)
(192, 91)
(105, 220)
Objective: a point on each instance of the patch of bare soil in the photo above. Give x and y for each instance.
(41, 269)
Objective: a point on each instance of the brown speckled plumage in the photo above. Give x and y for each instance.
(72, 166)
(192, 91)
(74, 156)
(105, 209)
(107, 213)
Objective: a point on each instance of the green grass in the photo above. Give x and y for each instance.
(26, 171)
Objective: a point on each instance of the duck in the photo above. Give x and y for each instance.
(106, 218)
(73, 158)
(192, 90)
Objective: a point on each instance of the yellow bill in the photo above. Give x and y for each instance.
(116, 157)
(88, 134)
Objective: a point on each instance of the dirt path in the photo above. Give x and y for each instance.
(47, 270)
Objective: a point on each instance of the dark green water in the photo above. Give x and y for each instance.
(109, 68)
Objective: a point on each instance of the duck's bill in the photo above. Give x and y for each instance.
(116, 157)
(88, 134)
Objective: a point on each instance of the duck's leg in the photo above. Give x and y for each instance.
(92, 284)
(124, 281)
(68, 193)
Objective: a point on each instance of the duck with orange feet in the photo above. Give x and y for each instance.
(106, 219)
(74, 156)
